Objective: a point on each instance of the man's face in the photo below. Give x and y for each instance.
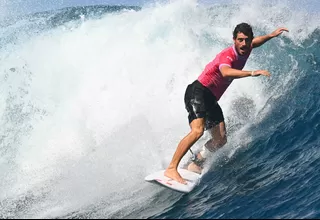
(242, 43)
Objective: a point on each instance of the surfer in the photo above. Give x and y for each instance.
(202, 96)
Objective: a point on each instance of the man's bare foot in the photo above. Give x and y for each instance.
(194, 168)
(173, 174)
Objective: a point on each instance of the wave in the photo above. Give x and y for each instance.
(92, 101)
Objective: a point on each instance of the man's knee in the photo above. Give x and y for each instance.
(198, 131)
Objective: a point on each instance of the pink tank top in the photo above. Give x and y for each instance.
(212, 78)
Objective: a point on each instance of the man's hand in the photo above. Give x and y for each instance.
(278, 32)
(260, 72)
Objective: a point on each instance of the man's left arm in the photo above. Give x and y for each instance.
(258, 41)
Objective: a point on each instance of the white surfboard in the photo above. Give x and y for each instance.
(192, 179)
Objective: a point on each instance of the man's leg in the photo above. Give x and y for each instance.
(219, 139)
(197, 129)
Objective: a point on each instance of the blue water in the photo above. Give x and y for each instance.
(92, 102)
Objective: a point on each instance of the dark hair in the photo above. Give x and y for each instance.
(243, 28)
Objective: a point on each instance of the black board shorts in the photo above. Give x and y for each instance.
(201, 103)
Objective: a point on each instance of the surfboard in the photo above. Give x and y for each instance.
(192, 178)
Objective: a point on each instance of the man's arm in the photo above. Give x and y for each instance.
(258, 41)
(227, 71)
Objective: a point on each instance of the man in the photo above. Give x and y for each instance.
(202, 95)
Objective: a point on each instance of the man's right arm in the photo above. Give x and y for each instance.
(260, 40)
(229, 72)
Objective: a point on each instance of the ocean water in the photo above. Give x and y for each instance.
(92, 101)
